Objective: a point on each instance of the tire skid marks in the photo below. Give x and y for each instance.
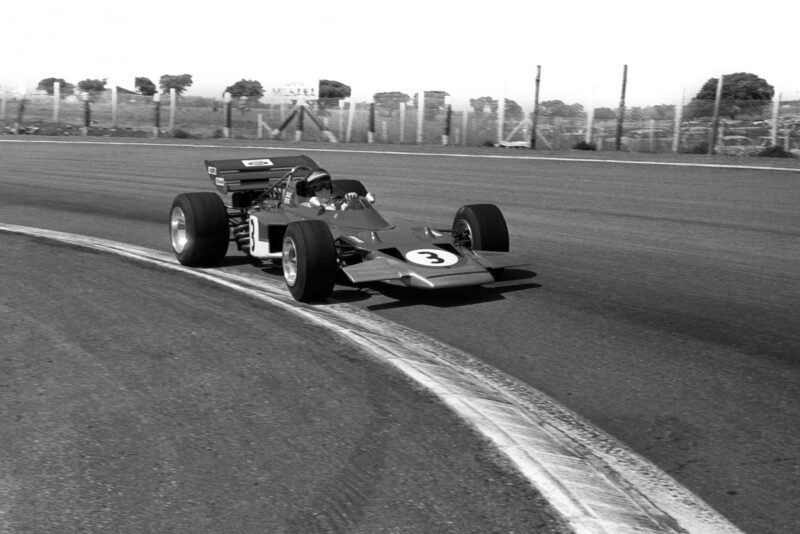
(595, 483)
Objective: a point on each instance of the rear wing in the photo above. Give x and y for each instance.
(250, 174)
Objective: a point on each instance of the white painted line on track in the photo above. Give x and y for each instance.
(595, 483)
(411, 153)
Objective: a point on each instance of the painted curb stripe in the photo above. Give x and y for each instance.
(594, 482)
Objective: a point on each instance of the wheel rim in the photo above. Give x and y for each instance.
(463, 234)
(177, 229)
(289, 262)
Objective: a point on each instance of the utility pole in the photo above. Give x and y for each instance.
(535, 114)
(621, 110)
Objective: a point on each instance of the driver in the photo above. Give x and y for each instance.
(320, 187)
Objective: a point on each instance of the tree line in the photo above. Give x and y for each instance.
(739, 89)
(179, 82)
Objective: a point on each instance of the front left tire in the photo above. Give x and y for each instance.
(309, 260)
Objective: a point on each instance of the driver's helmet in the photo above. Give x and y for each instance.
(319, 180)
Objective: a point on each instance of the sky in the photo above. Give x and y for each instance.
(466, 48)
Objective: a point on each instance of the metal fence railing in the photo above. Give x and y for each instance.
(739, 127)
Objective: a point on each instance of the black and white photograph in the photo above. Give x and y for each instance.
(361, 267)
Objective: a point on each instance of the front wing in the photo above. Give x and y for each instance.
(475, 270)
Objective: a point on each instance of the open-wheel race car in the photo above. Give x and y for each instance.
(287, 209)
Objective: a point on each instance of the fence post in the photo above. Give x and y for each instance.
(448, 118)
(341, 117)
(776, 111)
(56, 100)
(465, 125)
(420, 116)
(713, 141)
(114, 102)
(402, 122)
(371, 127)
(501, 116)
(351, 116)
(173, 107)
(621, 110)
(226, 130)
(535, 114)
(787, 141)
(20, 114)
(676, 136)
(589, 124)
(156, 114)
(298, 133)
(87, 113)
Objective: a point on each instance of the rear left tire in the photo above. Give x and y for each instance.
(198, 228)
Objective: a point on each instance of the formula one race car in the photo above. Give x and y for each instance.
(289, 210)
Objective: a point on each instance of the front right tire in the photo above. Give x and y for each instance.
(309, 260)
(481, 227)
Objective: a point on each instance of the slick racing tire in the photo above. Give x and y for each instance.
(342, 187)
(198, 229)
(309, 260)
(481, 227)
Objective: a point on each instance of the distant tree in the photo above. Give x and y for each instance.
(737, 86)
(557, 108)
(605, 114)
(660, 112)
(145, 86)
(664, 112)
(739, 89)
(512, 110)
(434, 102)
(635, 113)
(331, 89)
(48, 84)
(484, 105)
(92, 86)
(390, 101)
(250, 89)
(178, 82)
(330, 93)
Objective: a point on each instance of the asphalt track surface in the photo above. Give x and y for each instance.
(663, 310)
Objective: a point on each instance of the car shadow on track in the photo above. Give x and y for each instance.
(236, 261)
(345, 292)
(511, 280)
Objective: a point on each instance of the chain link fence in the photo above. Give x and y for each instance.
(739, 127)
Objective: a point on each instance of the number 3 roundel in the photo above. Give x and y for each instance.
(432, 257)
